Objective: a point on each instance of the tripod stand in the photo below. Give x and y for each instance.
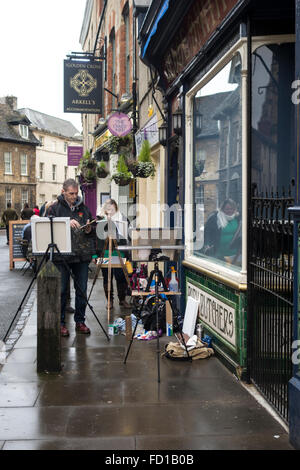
(158, 278)
(50, 251)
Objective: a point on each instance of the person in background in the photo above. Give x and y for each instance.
(36, 210)
(26, 244)
(43, 209)
(26, 213)
(222, 233)
(69, 204)
(110, 211)
(8, 214)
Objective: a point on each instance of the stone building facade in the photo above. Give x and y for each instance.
(17, 157)
(55, 135)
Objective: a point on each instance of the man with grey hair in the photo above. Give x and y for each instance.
(69, 204)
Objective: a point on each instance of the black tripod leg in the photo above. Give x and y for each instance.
(139, 315)
(26, 293)
(174, 315)
(82, 293)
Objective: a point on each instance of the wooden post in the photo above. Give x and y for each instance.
(48, 319)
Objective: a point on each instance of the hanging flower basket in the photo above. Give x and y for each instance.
(88, 174)
(91, 165)
(123, 176)
(121, 180)
(133, 166)
(145, 165)
(101, 171)
(145, 169)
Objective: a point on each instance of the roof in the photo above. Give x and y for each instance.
(54, 125)
(9, 120)
(207, 107)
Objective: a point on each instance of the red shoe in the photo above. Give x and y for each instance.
(82, 328)
(64, 331)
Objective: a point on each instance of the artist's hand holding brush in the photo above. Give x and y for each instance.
(76, 225)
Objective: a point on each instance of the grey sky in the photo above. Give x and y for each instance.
(35, 36)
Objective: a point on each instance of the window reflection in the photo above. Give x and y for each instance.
(217, 167)
(272, 117)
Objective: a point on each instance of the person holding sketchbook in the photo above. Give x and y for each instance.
(110, 211)
(70, 204)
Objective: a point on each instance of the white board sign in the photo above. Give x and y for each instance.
(190, 316)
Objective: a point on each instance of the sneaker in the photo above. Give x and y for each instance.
(125, 304)
(64, 331)
(82, 328)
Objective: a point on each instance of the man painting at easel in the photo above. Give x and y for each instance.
(108, 212)
(69, 204)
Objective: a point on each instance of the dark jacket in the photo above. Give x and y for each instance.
(83, 245)
(27, 213)
(9, 214)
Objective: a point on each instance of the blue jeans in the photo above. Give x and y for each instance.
(80, 272)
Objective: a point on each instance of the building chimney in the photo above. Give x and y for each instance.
(12, 102)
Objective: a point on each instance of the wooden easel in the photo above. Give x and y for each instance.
(111, 244)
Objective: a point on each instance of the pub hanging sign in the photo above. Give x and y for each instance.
(82, 87)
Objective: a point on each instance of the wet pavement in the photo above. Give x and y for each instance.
(98, 402)
(13, 286)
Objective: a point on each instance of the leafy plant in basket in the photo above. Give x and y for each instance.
(120, 144)
(145, 165)
(123, 176)
(88, 168)
(133, 166)
(101, 170)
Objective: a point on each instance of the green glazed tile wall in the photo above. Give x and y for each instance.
(230, 296)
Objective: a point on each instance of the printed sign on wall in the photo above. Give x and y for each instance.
(218, 315)
(74, 155)
(82, 87)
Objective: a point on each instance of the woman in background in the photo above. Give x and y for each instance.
(223, 233)
(110, 211)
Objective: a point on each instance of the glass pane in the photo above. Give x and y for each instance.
(272, 117)
(217, 167)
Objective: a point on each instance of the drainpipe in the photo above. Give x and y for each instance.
(99, 28)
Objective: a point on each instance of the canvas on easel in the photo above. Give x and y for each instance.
(41, 234)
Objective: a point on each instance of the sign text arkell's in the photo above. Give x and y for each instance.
(82, 87)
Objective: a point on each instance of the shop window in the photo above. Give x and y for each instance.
(273, 156)
(217, 168)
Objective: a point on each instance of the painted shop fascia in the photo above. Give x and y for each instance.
(190, 44)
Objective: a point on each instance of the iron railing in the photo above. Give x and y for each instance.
(270, 287)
